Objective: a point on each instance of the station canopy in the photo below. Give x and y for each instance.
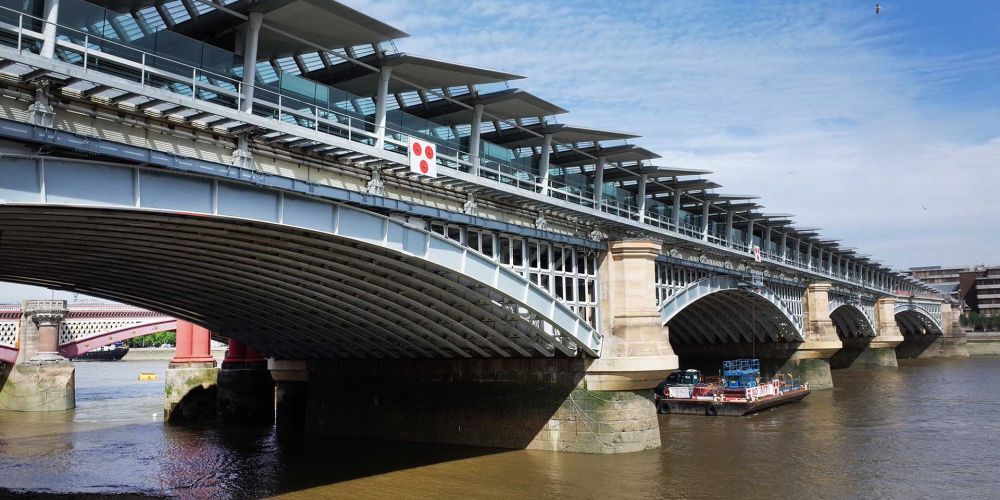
(613, 154)
(329, 24)
(533, 135)
(669, 188)
(422, 72)
(632, 172)
(507, 104)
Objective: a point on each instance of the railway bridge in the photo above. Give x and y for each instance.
(420, 250)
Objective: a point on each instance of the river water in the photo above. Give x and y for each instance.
(929, 429)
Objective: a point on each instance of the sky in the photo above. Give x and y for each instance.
(883, 130)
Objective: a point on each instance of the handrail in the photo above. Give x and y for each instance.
(362, 130)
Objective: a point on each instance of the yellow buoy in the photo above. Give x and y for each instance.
(147, 376)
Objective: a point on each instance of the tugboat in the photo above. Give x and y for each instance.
(113, 352)
(739, 392)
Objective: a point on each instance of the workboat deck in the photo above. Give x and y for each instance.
(728, 407)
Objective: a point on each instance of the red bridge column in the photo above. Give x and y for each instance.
(191, 377)
(246, 390)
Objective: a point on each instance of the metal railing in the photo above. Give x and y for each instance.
(147, 69)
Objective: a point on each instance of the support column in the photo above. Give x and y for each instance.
(543, 163)
(251, 38)
(811, 359)
(675, 210)
(599, 181)
(474, 139)
(641, 197)
(729, 227)
(291, 381)
(192, 377)
(51, 14)
(636, 353)
(245, 388)
(705, 207)
(41, 379)
(381, 99)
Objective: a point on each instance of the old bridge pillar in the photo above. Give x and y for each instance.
(881, 350)
(811, 359)
(191, 377)
(41, 379)
(245, 388)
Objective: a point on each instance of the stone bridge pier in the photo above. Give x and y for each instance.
(557, 403)
(40, 379)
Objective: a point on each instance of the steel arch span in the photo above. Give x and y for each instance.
(84, 345)
(294, 276)
(726, 309)
(851, 321)
(918, 319)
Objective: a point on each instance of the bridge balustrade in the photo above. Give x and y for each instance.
(170, 62)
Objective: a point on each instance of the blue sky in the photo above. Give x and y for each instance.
(882, 130)
(854, 122)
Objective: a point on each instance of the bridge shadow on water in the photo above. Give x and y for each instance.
(153, 460)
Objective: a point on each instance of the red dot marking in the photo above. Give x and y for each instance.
(424, 167)
(429, 151)
(417, 150)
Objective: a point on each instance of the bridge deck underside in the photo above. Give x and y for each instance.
(731, 316)
(289, 292)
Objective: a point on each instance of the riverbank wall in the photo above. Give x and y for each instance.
(984, 343)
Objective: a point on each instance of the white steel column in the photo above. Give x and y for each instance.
(51, 14)
(252, 37)
(599, 181)
(675, 212)
(729, 227)
(784, 245)
(641, 197)
(809, 255)
(704, 219)
(477, 120)
(749, 231)
(380, 102)
(767, 237)
(543, 163)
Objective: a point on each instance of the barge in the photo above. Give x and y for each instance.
(740, 391)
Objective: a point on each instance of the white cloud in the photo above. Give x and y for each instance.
(824, 109)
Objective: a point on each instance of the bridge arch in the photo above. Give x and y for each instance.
(295, 276)
(914, 320)
(851, 321)
(726, 309)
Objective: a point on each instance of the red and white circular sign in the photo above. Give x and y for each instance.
(422, 156)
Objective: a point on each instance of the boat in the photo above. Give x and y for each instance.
(113, 352)
(741, 391)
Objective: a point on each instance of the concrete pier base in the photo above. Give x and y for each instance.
(865, 353)
(192, 393)
(541, 404)
(814, 370)
(932, 346)
(245, 396)
(39, 386)
(290, 400)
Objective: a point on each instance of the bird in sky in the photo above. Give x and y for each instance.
(877, 9)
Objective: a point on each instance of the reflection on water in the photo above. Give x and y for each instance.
(929, 429)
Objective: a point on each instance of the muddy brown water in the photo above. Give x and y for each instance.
(930, 429)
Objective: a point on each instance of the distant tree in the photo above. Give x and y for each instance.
(154, 339)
